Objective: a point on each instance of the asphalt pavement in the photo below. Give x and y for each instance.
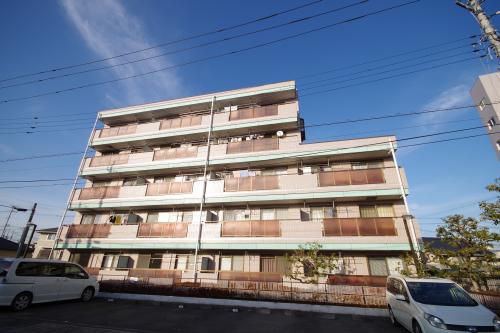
(103, 316)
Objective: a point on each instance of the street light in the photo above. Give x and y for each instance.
(12, 208)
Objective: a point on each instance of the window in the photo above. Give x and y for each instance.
(110, 261)
(156, 260)
(74, 272)
(51, 236)
(482, 104)
(378, 266)
(232, 263)
(376, 211)
(40, 269)
(226, 263)
(207, 264)
(268, 264)
(134, 181)
(498, 145)
(237, 214)
(182, 262)
(491, 123)
(87, 219)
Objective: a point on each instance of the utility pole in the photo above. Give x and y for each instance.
(12, 209)
(20, 247)
(489, 32)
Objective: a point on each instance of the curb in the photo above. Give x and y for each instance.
(330, 309)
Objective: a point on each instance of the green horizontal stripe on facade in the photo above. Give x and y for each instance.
(181, 132)
(230, 159)
(234, 246)
(194, 101)
(232, 197)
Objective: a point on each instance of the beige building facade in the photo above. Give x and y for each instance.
(224, 185)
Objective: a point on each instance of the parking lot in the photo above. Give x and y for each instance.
(104, 316)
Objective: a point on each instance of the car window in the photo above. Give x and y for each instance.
(28, 269)
(39, 269)
(74, 272)
(447, 294)
(52, 269)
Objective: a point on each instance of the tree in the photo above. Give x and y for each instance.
(307, 263)
(491, 210)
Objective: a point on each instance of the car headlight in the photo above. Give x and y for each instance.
(496, 323)
(435, 321)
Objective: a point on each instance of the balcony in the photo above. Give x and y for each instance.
(155, 273)
(88, 231)
(169, 188)
(104, 192)
(109, 160)
(251, 146)
(187, 121)
(351, 177)
(255, 183)
(117, 131)
(174, 153)
(257, 228)
(383, 226)
(255, 112)
(164, 230)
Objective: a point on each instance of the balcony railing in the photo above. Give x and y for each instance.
(351, 177)
(255, 112)
(255, 183)
(173, 153)
(118, 130)
(250, 276)
(382, 226)
(104, 192)
(187, 121)
(169, 188)
(249, 146)
(357, 280)
(155, 273)
(167, 229)
(88, 231)
(259, 228)
(107, 160)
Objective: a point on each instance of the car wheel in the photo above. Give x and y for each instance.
(416, 328)
(87, 294)
(393, 319)
(22, 301)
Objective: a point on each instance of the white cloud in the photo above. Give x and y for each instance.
(109, 29)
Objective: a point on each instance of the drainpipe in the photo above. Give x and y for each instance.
(202, 202)
(408, 218)
(70, 197)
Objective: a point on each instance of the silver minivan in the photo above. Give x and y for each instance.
(27, 281)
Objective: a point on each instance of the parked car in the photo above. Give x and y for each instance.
(436, 305)
(26, 281)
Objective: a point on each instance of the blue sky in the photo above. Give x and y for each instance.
(444, 178)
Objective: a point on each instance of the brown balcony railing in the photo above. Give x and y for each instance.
(249, 146)
(255, 112)
(169, 188)
(260, 228)
(155, 273)
(351, 177)
(255, 183)
(172, 153)
(106, 160)
(381, 226)
(250, 276)
(167, 229)
(88, 231)
(180, 122)
(357, 280)
(104, 192)
(118, 130)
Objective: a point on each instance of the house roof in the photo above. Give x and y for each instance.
(8, 245)
(437, 243)
(47, 231)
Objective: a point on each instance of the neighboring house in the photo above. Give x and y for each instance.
(486, 95)
(44, 243)
(267, 192)
(8, 248)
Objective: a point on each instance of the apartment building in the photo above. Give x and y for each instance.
(486, 95)
(44, 243)
(222, 186)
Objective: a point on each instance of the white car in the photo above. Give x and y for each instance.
(26, 281)
(436, 305)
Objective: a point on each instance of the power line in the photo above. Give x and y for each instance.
(216, 31)
(40, 156)
(220, 55)
(33, 180)
(226, 39)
